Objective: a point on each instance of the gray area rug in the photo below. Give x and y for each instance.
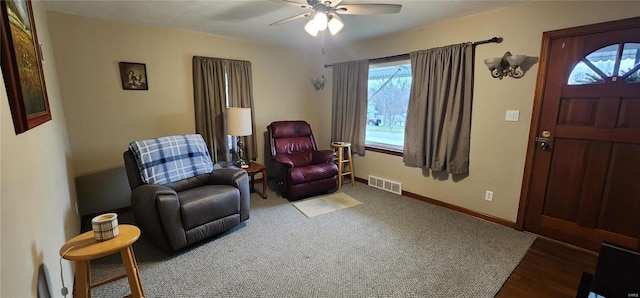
(389, 246)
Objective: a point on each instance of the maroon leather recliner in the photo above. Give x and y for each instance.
(305, 170)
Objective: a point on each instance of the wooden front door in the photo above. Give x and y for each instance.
(582, 179)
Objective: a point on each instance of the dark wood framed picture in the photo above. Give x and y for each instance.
(134, 76)
(22, 66)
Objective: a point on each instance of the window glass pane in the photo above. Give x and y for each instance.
(388, 98)
(604, 58)
(630, 59)
(633, 78)
(582, 74)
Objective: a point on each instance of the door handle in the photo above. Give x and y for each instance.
(544, 140)
(545, 146)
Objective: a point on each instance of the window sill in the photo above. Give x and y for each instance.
(383, 150)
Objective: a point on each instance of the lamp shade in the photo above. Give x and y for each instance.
(239, 121)
(320, 21)
(335, 25)
(516, 60)
(492, 63)
(311, 28)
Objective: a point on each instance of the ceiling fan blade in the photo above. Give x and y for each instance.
(300, 16)
(296, 3)
(368, 8)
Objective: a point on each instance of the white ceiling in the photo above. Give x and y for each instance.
(250, 19)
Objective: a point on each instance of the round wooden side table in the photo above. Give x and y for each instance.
(84, 248)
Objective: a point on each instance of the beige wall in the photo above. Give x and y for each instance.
(102, 118)
(498, 148)
(94, 119)
(37, 191)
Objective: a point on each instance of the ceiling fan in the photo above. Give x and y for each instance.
(326, 14)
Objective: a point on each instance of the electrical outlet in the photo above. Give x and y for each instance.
(512, 115)
(488, 195)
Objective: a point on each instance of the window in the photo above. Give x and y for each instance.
(603, 63)
(388, 98)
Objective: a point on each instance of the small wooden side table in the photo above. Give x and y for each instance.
(253, 169)
(84, 248)
(343, 150)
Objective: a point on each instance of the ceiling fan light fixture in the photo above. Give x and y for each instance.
(310, 27)
(320, 21)
(335, 25)
(326, 14)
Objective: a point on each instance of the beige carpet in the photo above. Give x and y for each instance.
(389, 246)
(325, 204)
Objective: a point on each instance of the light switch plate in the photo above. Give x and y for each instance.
(488, 195)
(512, 115)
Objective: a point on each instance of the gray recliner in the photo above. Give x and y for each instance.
(180, 213)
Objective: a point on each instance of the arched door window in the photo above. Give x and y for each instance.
(613, 62)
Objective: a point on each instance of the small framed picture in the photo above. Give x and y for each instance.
(134, 76)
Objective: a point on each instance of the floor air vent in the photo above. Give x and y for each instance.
(384, 184)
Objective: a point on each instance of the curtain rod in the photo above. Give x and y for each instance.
(225, 59)
(475, 43)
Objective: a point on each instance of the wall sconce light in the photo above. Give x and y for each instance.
(319, 83)
(508, 65)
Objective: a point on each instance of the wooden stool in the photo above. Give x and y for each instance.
(340, 148)
(84, 248)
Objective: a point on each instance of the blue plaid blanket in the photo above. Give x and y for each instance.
(169, 159)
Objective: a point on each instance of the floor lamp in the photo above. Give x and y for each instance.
(239, 125)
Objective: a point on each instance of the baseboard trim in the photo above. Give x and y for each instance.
(479, 215)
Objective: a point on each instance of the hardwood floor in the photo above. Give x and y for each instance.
(549, 269)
